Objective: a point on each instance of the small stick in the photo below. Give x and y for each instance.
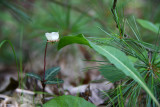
(117, 23)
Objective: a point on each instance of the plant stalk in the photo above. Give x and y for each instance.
(43, 84)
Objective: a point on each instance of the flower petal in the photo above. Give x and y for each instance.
(53, 36)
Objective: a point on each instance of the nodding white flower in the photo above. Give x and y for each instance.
(52, 37)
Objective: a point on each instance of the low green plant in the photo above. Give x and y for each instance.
(49, 76)
(137, 63)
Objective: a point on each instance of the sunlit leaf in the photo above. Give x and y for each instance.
(67, 40)
(148, 25)
(120, 60)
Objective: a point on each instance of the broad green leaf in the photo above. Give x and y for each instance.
(51, 73)
(68, 101)
(148, 25)
(111, 73)
(67, 40)
(54, 81)
(117, 57)
(31, 74)
(121, 61)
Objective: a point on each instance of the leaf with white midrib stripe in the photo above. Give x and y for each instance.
(120, 60)
(52, 72)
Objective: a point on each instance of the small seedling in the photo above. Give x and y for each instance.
(49, 76)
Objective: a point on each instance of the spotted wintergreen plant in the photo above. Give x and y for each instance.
(49, 76)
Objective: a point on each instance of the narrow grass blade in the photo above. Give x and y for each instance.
(2, 43)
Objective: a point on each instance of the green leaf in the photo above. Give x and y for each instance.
(31, 74)
(51, 73)
(67, 40)
(148, 25)
(54, 81)
(68, 101)
(133, 59)
(111, 73)
(117, 57)
(121, 61)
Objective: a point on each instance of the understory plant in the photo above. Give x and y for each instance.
(49, 76)
(134, 65)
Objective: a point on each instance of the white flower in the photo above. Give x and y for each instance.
(52, 37)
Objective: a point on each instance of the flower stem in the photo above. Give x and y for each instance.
(43, 84)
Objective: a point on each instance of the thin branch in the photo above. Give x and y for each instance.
(113, 10)
(114, 4)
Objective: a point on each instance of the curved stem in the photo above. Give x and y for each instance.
(45, 61)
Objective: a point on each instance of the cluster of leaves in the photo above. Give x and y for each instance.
(143, 73)
(50, 76)
(145, 70)
(122, 53)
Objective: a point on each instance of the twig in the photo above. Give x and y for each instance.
(113, 10)
(114, 4)
(25, 91)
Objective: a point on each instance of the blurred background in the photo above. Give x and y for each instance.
(25, 22)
